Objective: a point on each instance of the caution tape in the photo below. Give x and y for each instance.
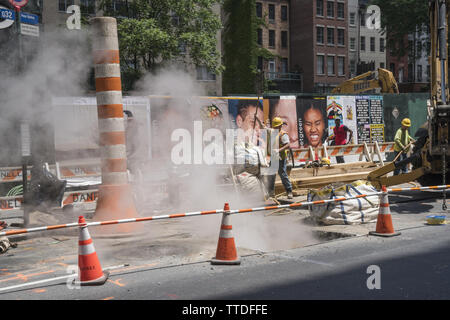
(178, 215)
(104, 223)
(197, 213)
(444, 186)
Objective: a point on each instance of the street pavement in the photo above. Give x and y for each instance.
(283, 256)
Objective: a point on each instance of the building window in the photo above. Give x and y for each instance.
(341, 66)
(87, 6)
(284, 39)
(352, 18)
(382, 65)
(330, 65)
(381, 44)
(352, 44)
(362, 20)
(64, 4)
(271, 13)
(392, 68)
(319, 8)
(330, 35)
(284, 13)
(419, 49)
(363, 43)
(410, 48)
(260, 38)
(259, 9)
(260, 63)
(284, 65)
(119, 7)
(320, 64)
(410, 72)
(272, 69)
(340, 10)
(271, 38)
(203, 74)
(330, 9)
(319, 35)
(428, 73)
(419, 73)
(341, 37)
(352, 67)
(372, 44)
(182, 47)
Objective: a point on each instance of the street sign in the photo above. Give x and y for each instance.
(18, 3)
(7, 14)
(29, 30)
(7, 22)
(29, 18)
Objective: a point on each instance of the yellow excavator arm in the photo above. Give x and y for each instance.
(385, 81)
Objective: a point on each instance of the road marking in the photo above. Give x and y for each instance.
(25, 277)
(117, 282)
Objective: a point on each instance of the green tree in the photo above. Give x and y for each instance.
(241, 50)
(400, 18)
(154, 33)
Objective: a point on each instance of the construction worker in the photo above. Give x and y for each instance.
(340, 136)
(132, 140)
(402, 141)
(284, 144)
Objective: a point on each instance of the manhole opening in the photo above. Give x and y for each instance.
(329, 235)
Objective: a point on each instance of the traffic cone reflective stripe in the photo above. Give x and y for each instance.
(91, 272)
(226, 248)
(384, 227)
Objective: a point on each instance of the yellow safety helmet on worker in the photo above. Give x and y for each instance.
(277, 122)
(406, 122)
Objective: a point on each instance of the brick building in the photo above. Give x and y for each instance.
(276, 38)
(319, 44)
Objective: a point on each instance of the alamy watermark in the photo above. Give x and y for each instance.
(374, 281)
(236, 147)
(373, 17)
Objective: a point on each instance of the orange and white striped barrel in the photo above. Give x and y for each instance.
(115, 197)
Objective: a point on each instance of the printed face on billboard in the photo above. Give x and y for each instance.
(286, 109)
(312, 124)
(247, 113)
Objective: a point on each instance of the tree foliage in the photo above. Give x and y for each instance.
(153, 33)
(240, 46)
(400, 18)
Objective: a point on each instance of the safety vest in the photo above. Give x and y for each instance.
(284, 153)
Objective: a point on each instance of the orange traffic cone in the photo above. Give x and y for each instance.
(384, 221)
(91, 272)
(226, 248)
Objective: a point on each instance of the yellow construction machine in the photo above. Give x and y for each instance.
(431, 149)
(382, 79)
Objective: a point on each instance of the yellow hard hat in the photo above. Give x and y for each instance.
(406, 122)
(325, 161)
(276, 122)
